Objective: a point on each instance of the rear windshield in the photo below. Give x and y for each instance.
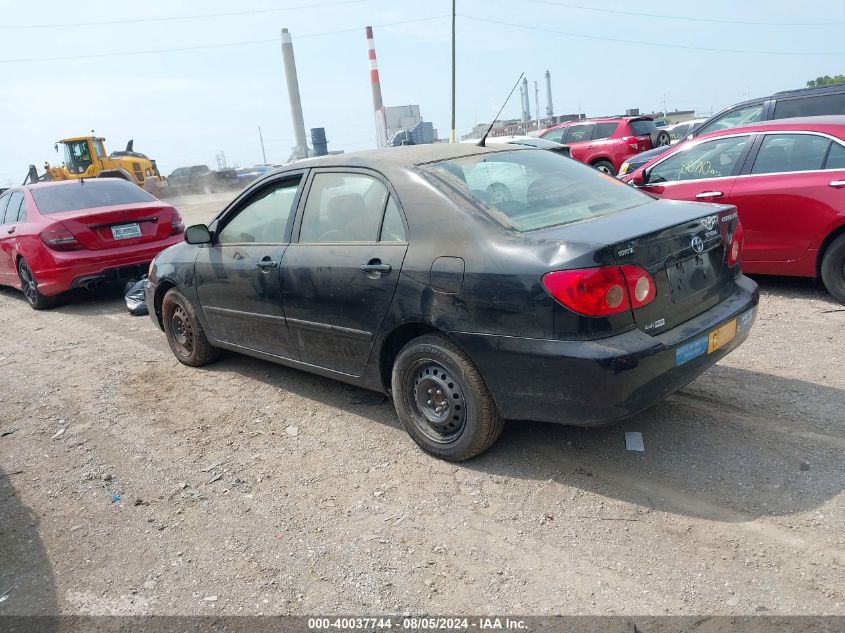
(642, 127)
(88, 194)
(536, 189)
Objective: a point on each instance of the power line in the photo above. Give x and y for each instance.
(642, 43)
(679, 17)
(207, 46)
(177, 17)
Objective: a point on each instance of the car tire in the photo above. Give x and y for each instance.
(604, 166)
(29, 287)
(184, 332)
(661, 138)
(833, 268)
(459, 424)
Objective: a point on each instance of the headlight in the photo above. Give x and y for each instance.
(624, 169)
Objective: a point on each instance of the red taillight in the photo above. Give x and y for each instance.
(735, 247)
(601, 291)
(641, 288)
(177, 226)
(632, 141)
(60, 239)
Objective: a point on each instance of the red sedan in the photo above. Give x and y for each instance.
(79, 234)
(787, 180)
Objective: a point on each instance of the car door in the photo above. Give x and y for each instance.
(700, 172)
(785, 197)
(579, 138)
(339, 277)
(10, 211)
(237, 275)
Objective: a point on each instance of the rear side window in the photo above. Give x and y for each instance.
(343, 208)
(734, 118)
(810, 106)
(534, 189)
(835, 159)
(676, 133)
(12, 208)
(605, 130)
(393, 229)
(578, 133)
(265, 217)
(88, 194)
(4, 200)
(642, 127)
(790, 152)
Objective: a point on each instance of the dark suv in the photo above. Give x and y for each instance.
(786, 104)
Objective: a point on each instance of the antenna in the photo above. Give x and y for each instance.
(492, 123)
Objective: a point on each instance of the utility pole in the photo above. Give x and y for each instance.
(452, 133)
(261, 138)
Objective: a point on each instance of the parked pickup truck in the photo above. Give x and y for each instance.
(201, 179)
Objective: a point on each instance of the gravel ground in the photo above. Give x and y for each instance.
(134, 485)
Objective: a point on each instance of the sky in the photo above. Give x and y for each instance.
(69, 67)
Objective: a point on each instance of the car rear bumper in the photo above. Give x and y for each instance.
(74, 269)
(590, 383)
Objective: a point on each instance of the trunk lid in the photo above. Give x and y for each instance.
(120, 225)
(664, 237)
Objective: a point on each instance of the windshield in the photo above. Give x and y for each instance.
(88, 194)
(535, 189)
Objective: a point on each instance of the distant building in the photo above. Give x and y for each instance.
(405, 126)
(515, 127)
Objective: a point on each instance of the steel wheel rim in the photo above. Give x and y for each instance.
(437, 401)
(182, 331)
(604, 169)
(28, 284)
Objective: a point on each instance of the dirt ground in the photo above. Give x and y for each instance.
(130, 484)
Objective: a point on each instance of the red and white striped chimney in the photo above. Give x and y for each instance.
(378, 105)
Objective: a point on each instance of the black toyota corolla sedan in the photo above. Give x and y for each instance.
(472, 284)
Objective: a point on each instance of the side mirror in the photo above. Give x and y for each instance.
(638, 179)
(198, 234)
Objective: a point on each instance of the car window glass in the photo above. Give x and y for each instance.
(735, 118)
(605, 130)
(22, 211)
(810, 106)
(13, 208)
(835, 159)
(264, 218)
(677, 132)
(343, 208)
(790, 152)
(555, 135)
(393, 229)
(642, 127)
(712, 159)
(4, 199)
(578, 133)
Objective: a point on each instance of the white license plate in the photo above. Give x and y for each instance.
(126, 231)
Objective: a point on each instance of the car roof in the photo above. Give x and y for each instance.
(405, 156)
(828, 123)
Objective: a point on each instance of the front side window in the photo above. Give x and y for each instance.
(790, 152)
(98, 149)
(77, 156)
(534, 189)
(735, 118)
(579, 133)
(712, 159)
(343, 208)
(265, 217)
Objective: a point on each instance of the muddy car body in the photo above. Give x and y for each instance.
(583, 303)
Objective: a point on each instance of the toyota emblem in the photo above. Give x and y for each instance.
(697, 244)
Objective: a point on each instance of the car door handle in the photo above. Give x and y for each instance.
(11, 230)
(709, 194)
(376, 268)
(267, 264)
(837, 183)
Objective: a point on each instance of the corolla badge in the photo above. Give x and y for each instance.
(709, 222)
(697, 244)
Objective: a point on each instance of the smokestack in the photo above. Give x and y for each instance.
(550, 109)
(526, 107)
(378, 105)
(293, 95)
